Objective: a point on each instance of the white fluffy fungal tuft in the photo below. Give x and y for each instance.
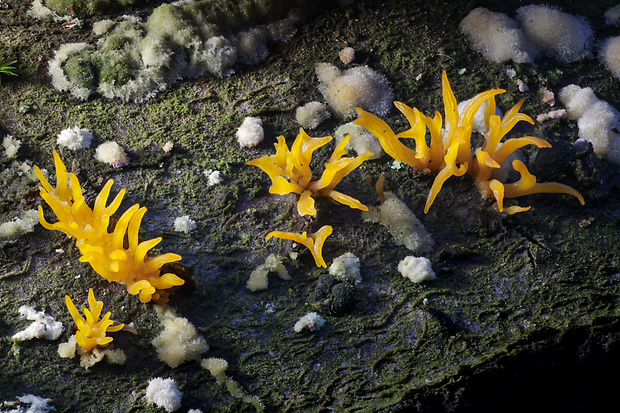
(557, 34)
(179, 341)
(214, 177)
(356, 87)
(610, 55)
(401, 223)
(417, 269)
(42, 326)
(250, 133)
(75, 138)
(112, 154)
(20, 225)
(598, 121)
(258, 278)
(347, 55)
(28, 403)
(311, 115)
(347, 268)
(184, 224)
(217, 367)
(164, 393)
(11, 146)
(311, 321)
(496, 36)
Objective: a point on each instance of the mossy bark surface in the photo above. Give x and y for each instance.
(523, 306)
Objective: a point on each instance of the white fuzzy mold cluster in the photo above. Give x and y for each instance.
(537, 30)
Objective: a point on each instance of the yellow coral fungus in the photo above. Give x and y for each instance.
(314, 242)
(104, 251)
(92, 331)
(450, 154)
(289, 171)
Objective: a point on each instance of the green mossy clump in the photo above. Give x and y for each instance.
(118, 58)
(79, 70)
(135, 60)
(72, 69)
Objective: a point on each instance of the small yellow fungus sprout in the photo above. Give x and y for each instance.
(92, 331)
(106, 252)
(289, 171)
(314, 242)
(450, 154)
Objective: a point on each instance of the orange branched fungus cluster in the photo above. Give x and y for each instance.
(116, 256)
(91, 331)
(289, 171)
(314, 242)
(449, 153)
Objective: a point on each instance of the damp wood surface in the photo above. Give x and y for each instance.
(527, 298)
